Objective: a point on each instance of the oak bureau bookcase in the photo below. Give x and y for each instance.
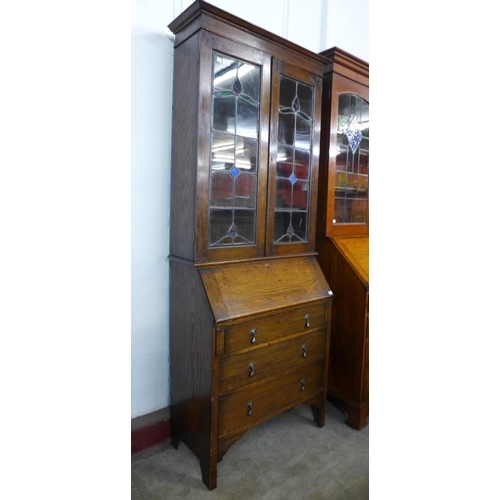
(342, 227)
(249, 305)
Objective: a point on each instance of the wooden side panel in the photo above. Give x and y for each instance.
(348, 332)
(191, 352)
(348, 358)
(324, 174)
(356, 252)
(324, 247)
(184, 149)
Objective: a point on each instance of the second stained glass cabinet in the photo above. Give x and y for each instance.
(343, 227)
(249, 305)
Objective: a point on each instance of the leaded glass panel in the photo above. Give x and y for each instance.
(293, 163)
(234, 151)
(353, 142)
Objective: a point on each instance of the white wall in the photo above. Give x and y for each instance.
(347, 26)
(150, 142)
(314, 24)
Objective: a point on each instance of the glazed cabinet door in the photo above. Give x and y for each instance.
(294, 159)
(233, 149)
(350, 144)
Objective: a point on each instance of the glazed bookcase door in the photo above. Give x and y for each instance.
(294, 157)
(233, 149)
(349, 166)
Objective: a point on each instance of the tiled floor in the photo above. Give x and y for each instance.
(287, 457)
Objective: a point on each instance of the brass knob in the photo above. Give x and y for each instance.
(304, 350)
(249, 407)
(251, 368)
(253, 334)
(302, 384)
(306, 321)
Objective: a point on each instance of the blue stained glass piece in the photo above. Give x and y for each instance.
(232, 231)
(293, 178)
(234, 171)
(354, 135)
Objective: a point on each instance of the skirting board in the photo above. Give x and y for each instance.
(150, 430)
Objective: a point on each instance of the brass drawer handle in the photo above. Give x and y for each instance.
(253, 334)
(251, 368)
(249, 407)
(306, 320)
(303, 384)
(304, 350)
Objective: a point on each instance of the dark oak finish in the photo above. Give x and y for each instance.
(343, 250)
(344, 74)
(249, 319)
(347, 260)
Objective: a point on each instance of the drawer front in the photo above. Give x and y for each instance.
(253, 404)
(259, 363)
(260, 331)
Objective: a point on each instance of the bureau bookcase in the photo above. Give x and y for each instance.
(249, 305)
(343, 227)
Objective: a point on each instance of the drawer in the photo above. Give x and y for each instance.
(260, 331)
(259, 363)
(269, 397)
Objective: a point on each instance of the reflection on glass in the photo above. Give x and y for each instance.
(234, 151)
(293, 162)
(300, 195)
(351, 178)
(246, 154)
(247, 119)
(284, 161)
(291, 223)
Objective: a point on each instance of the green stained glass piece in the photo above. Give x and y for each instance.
(224, 93)
(248, 99)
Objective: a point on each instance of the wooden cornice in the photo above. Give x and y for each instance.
(345, 64)
(200, 7)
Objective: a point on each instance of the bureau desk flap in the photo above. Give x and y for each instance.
(355, 250)
(240, 289)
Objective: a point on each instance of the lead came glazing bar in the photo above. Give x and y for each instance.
(234, 152)
(293, 163)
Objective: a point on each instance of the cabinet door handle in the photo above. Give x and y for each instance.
(306, 321)
(304, 350)
(249, 407)
(253, 334)
(303, 384)
(251, 368)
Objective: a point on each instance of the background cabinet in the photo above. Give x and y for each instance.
(250, 307)
(343, 227)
